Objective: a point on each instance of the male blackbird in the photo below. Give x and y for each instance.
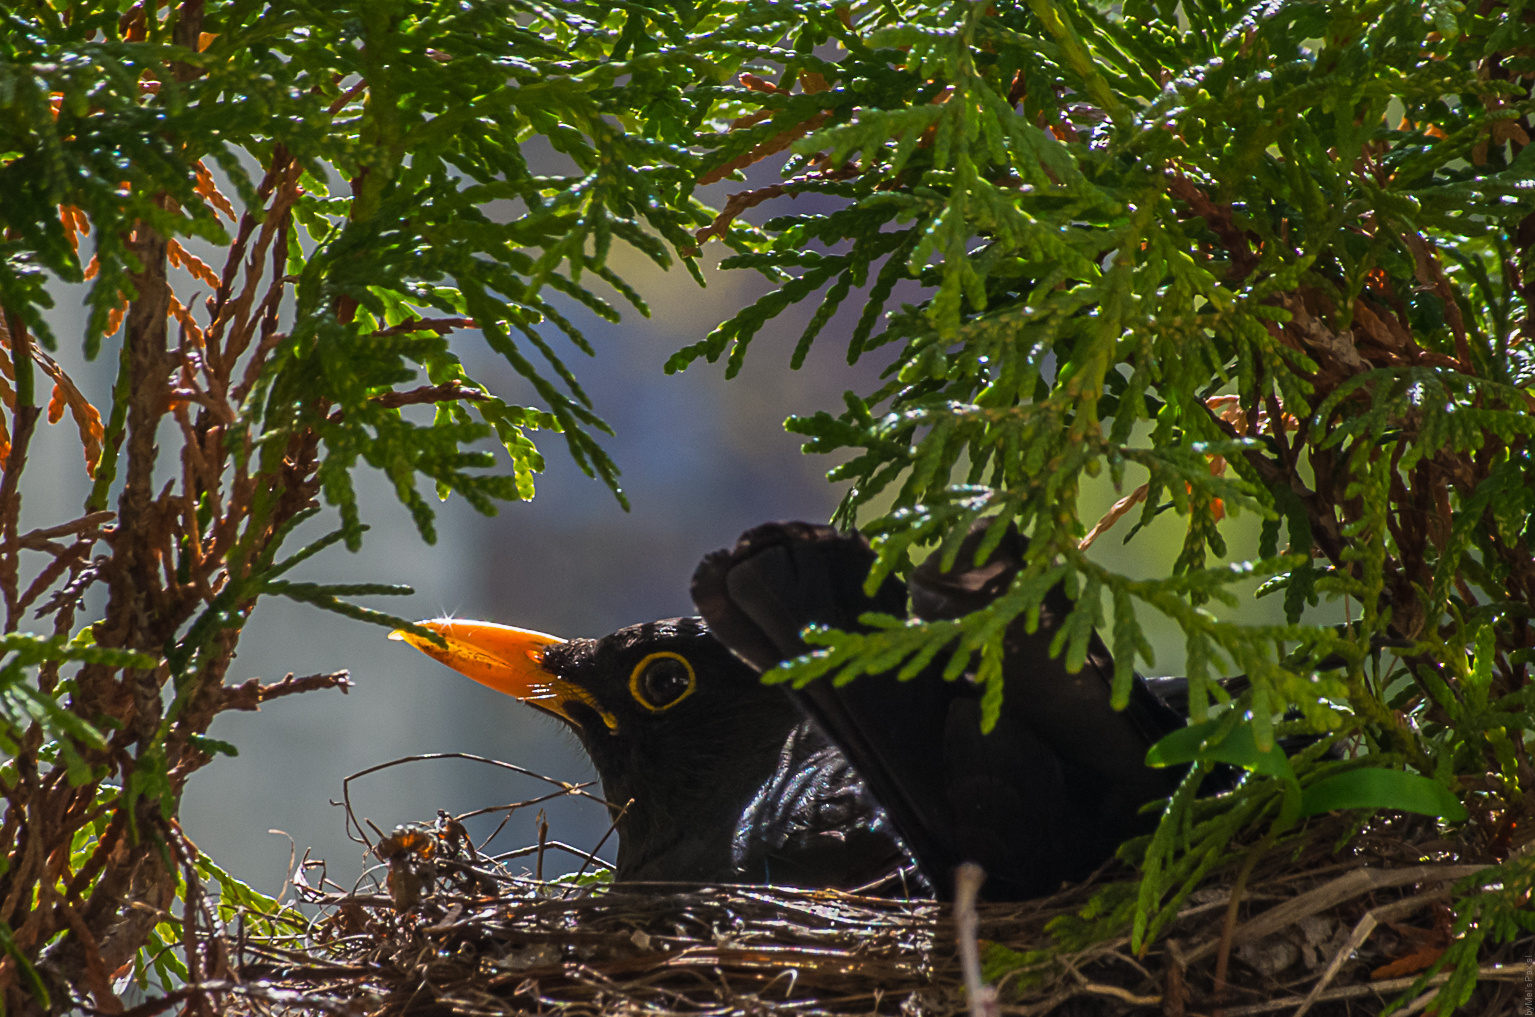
(1042, 799)
(725, 780)
(710, 775)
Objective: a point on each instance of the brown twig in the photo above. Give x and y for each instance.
(1430, 274)
(193, 945)
(64, 560)
(250, 694)
(346, 784)
(1346, 887)
(442, 326)
(1116, 512)
(586, 856)
(431, 394)
(1228, 925)
(23, 422)
(97, 982)
(1510, 972)
(543, 838)
(777, 143)
(346, 97)
(218, 306)
(35, 538)
(1222, 222)
(740, 201)
(236, 316)
(591, 856)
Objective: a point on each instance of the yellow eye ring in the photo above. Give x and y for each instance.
(636, 681)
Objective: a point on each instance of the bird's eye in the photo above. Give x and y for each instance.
(662, 680)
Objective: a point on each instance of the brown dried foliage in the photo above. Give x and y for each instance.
(1320, 932)
(123, 886)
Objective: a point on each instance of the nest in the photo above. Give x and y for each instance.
(451, 930)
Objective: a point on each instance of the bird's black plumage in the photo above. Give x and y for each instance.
(1045, 797)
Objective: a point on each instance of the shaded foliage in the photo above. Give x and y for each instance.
(290, 218)
(1272, 259)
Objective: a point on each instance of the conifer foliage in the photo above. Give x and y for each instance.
(282, 215)
(1275, 259)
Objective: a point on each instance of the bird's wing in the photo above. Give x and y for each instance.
(758, 598)
(1039, 799)
(815, 823)
(1071, 713)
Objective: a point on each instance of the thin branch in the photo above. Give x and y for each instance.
(346, 785)
(1501, 972)
(346, 97)
(237, 315)
(68, 558)
(249, 695)
(1362, 929)
(1329, 895)
(432, 394)
(442, 326)
(279, 176)
(44, 533)
(591, 856)
(982, 998)
(777, 143)
(24, 422)
(740, 201)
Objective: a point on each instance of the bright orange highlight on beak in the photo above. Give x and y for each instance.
(503, 658)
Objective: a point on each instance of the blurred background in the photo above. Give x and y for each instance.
(702, 460)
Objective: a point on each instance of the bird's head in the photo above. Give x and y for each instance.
(671, 720)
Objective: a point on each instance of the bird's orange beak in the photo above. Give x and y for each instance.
(506, 659)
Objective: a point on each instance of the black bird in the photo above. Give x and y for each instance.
(711, 776)
(730, 782)
(1044, 798)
